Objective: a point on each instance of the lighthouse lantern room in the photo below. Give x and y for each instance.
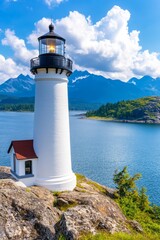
(51, 136)
(51, 54)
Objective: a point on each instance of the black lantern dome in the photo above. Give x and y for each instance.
(51, 53)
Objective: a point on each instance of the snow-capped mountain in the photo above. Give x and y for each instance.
(84, 87)
(22, 86)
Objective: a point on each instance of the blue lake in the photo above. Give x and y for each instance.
(98, 148)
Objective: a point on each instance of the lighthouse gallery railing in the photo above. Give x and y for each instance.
(59, 62)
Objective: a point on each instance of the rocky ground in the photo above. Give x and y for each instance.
(36, 213)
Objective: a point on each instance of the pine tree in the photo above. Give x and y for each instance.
(143, 200)
(125, 183)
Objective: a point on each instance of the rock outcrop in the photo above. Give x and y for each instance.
(36, 213)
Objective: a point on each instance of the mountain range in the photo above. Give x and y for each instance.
(83, 89)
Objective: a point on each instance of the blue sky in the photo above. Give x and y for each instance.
(114, 38)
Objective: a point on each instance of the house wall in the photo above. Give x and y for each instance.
(11, 159)
(21, 164)
(29, 181)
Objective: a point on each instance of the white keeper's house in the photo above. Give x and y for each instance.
(46, 159)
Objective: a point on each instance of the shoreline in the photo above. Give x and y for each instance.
(121, 121)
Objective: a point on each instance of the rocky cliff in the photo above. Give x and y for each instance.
(36, 213)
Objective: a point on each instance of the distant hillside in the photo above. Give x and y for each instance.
(140, 110)
(16, 104)
(85, 90)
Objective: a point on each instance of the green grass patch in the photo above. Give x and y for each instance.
(28, 189)
(56, 194)
(118, 236)
(62, 237)
(97, 186)
(82, 179)
(66, 207)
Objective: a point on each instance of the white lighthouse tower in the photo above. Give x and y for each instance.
(51, 138)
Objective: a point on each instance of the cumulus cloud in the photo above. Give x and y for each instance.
(41, 28)
(146, 64)
(20, 61)
(10, 69)
(53, 2)
(19, 47)
(107, 47)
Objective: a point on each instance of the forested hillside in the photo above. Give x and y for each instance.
(143, 109)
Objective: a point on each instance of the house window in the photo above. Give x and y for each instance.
(28, 167)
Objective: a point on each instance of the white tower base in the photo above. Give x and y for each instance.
(65, 183)
(51, 131)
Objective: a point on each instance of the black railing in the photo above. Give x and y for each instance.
(51, 61)
(35, 62)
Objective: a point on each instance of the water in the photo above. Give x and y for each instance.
(98, 148)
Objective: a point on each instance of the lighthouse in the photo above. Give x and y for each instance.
(51, 137)
(50, 148)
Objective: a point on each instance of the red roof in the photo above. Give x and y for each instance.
(23, 149)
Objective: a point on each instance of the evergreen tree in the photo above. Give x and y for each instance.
(125, 183)
(130, 199)
(143, 200)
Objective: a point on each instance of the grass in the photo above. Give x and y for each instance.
(148, 224)
(101, 118)
(28, 189)
(98, 187)
(118, 236)
(66, 207)
(56, 194)
(62, 237)
(82, 179)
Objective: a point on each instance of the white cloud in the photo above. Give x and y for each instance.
(107, 47)
(20, 64)
(21, 52)
(10, 69)
(147, 64)
(41, 28)
(53, 2)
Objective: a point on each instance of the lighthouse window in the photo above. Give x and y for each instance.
(28, 167)
(49, 45)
